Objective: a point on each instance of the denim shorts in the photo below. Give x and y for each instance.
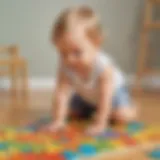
(121, 98)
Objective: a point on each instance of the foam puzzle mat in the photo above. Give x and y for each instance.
(72, 144)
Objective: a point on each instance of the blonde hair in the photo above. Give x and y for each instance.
(82, 15)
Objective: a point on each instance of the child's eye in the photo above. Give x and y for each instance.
(77, 54)
(63, 54)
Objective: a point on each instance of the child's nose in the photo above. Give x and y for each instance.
(71, 59)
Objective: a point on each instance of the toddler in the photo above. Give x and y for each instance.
(89, 82)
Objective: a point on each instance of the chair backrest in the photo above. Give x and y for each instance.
(11, 50)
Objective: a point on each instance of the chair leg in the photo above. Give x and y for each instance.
(24, 77)
(13, 77)
(137, 88)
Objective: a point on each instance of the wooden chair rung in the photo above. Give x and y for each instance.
(11, 62)
(153, 71)
(153, 25)
(155, 1)
(4, 73)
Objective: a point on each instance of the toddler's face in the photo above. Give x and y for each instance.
(75, 51)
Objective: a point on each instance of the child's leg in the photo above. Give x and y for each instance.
(125, 114)
(79, 108)
(124, 110)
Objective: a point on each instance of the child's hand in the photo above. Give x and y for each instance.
(55, 126)
(96, 128)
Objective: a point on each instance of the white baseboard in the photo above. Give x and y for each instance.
(34, 83)
(148, 82)
(49, 83)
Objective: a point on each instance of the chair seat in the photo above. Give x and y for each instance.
(6, 62)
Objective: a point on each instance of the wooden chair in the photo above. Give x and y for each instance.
(148, 25)
(16, 67)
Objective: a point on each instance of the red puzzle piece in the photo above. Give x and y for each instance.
(27, 156)
(51, 156)
(128, 140)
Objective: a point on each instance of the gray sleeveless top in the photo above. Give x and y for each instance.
(88, 90)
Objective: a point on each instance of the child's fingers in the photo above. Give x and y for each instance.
(48, 129)
(52, 128)
(94, 131)
(91, 131)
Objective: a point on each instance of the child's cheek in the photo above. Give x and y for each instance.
(87, 58)
(85, 61)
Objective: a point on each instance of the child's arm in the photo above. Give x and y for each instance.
(105, 101)
(61, 98)
(105, 96)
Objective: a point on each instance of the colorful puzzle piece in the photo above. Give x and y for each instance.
(3, 155)
(27, 143)
(70, 155)
(87, 150)
(104, 145)
(155, 154)
(134, 127)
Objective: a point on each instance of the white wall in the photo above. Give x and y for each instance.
(28, 23)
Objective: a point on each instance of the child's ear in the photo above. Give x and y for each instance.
(95, 38)
(98, 41)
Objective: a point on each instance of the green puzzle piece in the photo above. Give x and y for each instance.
(104, 145)
(38, 148)
(23, 147)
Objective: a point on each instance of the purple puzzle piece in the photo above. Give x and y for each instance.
(111, 134)
(108, 134)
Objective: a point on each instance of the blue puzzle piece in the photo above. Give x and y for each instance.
(3, 146)
(155, 154)
(87, 150)
(28, 129)
(38, 124)
(69, 155)
(31, 128)
(134, 127)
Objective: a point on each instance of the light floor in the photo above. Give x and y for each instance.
(21, 109)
